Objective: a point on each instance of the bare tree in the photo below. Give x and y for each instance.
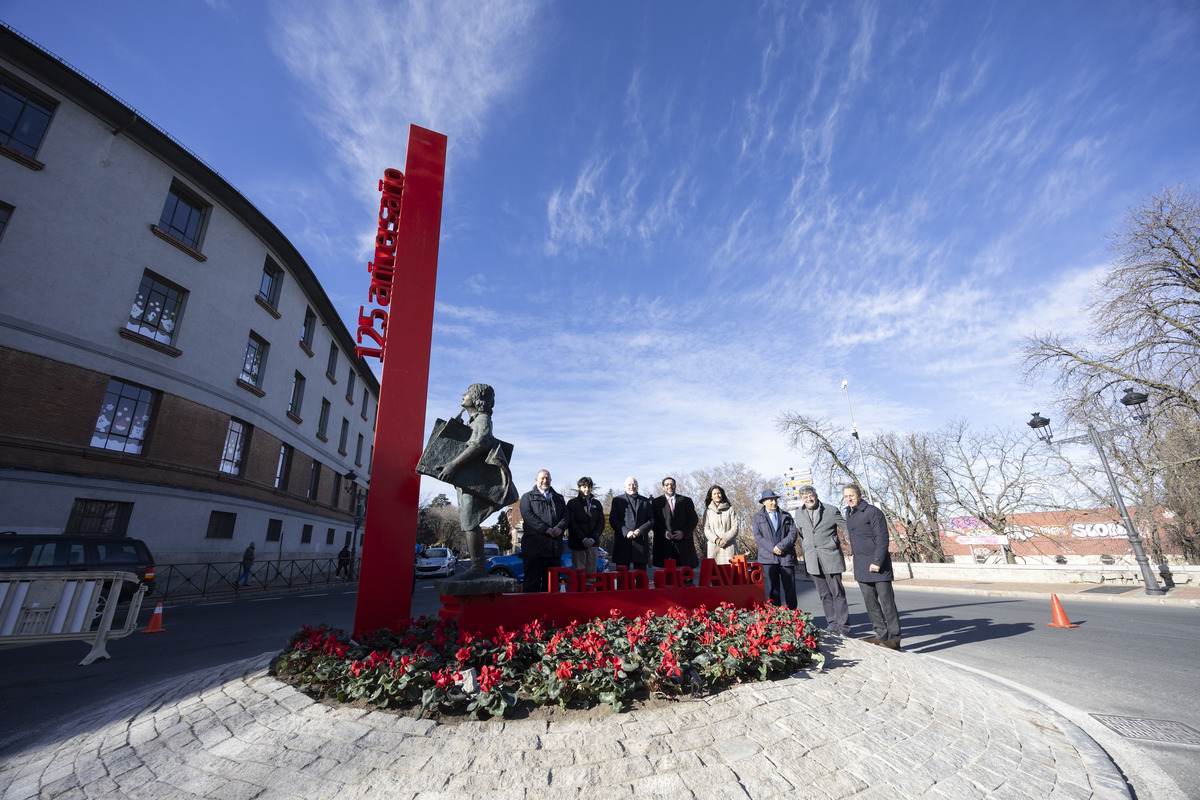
(831, 449)
(912, 491)
(1144, 332)
(1145, 316)
(992, 474)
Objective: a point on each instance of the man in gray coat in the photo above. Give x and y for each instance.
(818, 524)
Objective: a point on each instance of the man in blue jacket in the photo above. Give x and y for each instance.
(544, 516)
(872, 566)
(775, 532)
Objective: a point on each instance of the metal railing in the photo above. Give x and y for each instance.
(223, 578)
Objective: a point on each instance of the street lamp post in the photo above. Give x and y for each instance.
(1132, 399)
(357, 498)
(854, 433)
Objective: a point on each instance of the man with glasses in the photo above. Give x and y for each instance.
(823, 559)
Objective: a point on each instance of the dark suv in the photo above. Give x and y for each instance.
(21, 552)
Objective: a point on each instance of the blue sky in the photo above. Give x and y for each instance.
(667, 222)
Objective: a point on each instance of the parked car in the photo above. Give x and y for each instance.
(513, 567)
(436, 561)
(25, 552)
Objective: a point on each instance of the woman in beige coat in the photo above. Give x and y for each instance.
(720, 526)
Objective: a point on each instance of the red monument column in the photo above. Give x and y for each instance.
(406, 248)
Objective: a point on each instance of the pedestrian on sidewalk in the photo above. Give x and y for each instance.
(818, 524)
(872, 566)
(247, 565)
(343, 567)
(775, 532)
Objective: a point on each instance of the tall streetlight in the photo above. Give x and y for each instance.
(1132, 400)
(854, 433)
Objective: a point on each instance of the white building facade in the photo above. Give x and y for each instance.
(170, 368)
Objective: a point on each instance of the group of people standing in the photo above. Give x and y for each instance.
(654, 530)
(816, 527)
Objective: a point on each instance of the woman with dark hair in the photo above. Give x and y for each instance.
(720, 525)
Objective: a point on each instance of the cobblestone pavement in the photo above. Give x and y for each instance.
(873, 724)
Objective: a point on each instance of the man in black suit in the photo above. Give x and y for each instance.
(544, 515)
(631, 519)
(675, 521)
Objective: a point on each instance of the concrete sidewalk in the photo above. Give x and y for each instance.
(1105, 593)
(874, 723)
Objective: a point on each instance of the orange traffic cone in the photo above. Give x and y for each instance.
(155, 625)
(1060, 616)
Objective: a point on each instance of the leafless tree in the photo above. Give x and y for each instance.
(1144, 332)
(993, 473)
(912, 491)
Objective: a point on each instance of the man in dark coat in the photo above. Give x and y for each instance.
(775, 533)
(247, 565)
(631, 519)
(818, 524)
(544, 515)
(585, 516)
(675, 521)
(872, 566)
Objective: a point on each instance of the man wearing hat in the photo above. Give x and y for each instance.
(775, 532)
(818, 524)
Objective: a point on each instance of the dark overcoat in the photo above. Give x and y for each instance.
(539, 515)
(683, 519)
(585, 515)
(868, 542)
(630, 512)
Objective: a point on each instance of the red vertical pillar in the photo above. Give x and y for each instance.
(390, 531)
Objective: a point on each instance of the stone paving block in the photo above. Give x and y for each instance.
(836, 785)
(601, 751)
(376, 739)
(760, 777)
(957, 788)
(737, 748)
(101, 787)
(237, 790)
(1069, 791)
(578, 775)
(251, 772)
(669, 785)
(677, 762)
(548, 759)
(983, 778)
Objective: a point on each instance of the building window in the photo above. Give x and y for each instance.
(297, 399)
(102, 517)
(24, 117)
(255, 363)
(329, 536)
(323, 421)
(309, 329)
(272, 279)
(371, 460)
(124, 417)
(363, 411)
(156, 309)
(5, 212)
(314, 480)
(274, 530)
(350, 386)
(220, 525)
(344, 436)
(331, 365)
(337, 490)
(183, 216)
(358, 452)
(236, 439)
(306, 534)
(284, 467)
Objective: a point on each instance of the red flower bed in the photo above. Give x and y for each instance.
(423, 665)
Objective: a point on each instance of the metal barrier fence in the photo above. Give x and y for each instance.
(223, 578)
(37, 607)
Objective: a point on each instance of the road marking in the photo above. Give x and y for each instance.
(216, 603)
(323, 594)
(261, 599)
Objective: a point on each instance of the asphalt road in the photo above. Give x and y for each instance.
(1125, 659)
